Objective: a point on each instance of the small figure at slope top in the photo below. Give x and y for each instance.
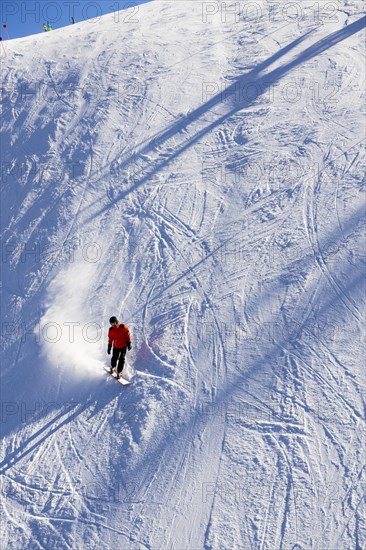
(44, 27)
(118, 336)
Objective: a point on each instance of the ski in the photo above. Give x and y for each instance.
(122, 381)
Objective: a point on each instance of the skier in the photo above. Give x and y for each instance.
(118, 336)
(73, 20)
(49, 28)
(45, 27)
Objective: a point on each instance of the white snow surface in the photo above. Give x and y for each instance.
(195, 168)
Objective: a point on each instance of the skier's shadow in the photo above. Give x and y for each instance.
(53, 426)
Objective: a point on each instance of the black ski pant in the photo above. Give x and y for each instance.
(119, 355)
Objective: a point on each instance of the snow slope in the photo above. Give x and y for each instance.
(197, 170)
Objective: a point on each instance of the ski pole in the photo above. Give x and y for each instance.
(2, 43)
(6, 30)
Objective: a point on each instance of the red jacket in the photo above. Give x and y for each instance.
(119, 336)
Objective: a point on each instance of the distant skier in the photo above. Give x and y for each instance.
(45, 27)
(119, 336)
(49, 28)
(73, 20)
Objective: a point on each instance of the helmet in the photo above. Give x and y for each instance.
(113, 320)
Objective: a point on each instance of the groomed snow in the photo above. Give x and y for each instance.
(197, 169)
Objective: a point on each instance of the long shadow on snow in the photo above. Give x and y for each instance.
(292, 344)
(354, 222)
(254, 77)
